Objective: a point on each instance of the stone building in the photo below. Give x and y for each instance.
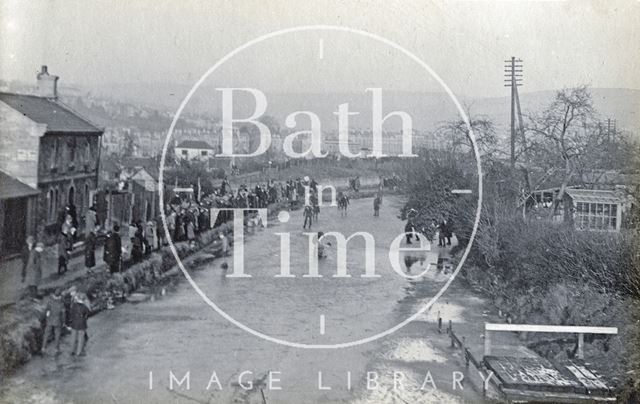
(194, 150)
(47, 146)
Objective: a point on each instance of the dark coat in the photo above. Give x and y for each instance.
(90, 250)
(112, 248)
(78, 316)
(446, 228)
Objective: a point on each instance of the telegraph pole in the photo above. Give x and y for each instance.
(513, 79)
(611, 127)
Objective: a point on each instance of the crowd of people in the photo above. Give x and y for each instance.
(186, 217)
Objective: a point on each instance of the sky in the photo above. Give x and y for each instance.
(95, 44)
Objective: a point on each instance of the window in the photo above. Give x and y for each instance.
(54, 153)
(54, 211)
(184, 153)
(595, 216)
(51, 209)
(203, 153)
(72, 150)
(87, 152)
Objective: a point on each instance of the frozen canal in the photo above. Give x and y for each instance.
(180, 333)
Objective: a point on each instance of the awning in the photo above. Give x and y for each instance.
(11, 187)
(594, 196)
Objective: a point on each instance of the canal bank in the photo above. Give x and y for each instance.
(178, 333)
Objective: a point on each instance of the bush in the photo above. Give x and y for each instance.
(551, 274)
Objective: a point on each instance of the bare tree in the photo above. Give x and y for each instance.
(565, 136)
(456, 134)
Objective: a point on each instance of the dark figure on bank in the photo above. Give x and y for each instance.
(376, 206)
(410, 230)
(113, 249)
(445, 233)
(55, 319)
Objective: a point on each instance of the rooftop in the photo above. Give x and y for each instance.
(194, 144)
(11, 187)
(150, 165)
(594, 195)
(58, 118)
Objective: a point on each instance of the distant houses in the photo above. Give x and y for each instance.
(194, 150)
(51, 149)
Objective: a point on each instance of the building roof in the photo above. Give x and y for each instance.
(594, 196)
(58, 118)
(194, 144)
(150, 165)
(150, 170)
(108, 165)
(11, 187)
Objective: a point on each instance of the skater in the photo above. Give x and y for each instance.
(343, 203)
(308, 216)
(376, 206)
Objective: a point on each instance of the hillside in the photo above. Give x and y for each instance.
(427, 110)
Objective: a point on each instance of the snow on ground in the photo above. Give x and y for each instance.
(448, 311)
(406, 388)
(412, 350)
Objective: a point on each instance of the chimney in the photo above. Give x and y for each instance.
(47, 84)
